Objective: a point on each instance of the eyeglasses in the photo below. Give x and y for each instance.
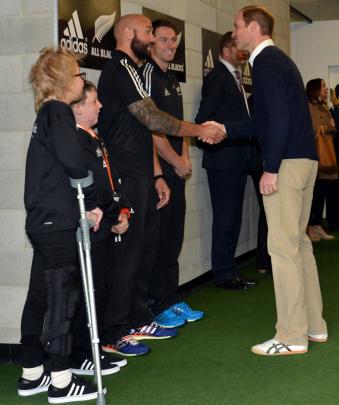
(82, 75)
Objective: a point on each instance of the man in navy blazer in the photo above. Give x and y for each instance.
(223, 99)
(284, 129)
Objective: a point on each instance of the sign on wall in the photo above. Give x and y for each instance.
(86, 27)
(210, 50)
(247, 77)
(178, 65)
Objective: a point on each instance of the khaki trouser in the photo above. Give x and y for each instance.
(295, 275)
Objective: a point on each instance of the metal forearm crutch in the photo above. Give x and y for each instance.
(84, 246)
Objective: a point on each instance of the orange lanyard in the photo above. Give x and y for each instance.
(95, 136)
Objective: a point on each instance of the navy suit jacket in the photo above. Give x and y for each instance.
(221, 101)
(282, 118)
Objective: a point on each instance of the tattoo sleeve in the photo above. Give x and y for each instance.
(146, 112)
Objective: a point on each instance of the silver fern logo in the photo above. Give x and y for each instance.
(179, 39)
(102, 25)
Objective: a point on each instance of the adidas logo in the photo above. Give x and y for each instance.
(73, 32)
(167, 93)
(74, 28)
(209, 63)
(246, 75)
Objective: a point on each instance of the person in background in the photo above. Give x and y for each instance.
(55, 155)
(332, 201)
(113, 224)
(323, 123)
(227, 164)
(164, 89)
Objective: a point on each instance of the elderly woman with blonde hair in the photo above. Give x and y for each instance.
(54, 156)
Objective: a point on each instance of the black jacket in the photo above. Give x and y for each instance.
(54, 155)
(222, 101)
(282, 118)
(110, 204)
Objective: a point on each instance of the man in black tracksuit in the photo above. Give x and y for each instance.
(164, 89)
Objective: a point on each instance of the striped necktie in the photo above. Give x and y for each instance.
(238, 78)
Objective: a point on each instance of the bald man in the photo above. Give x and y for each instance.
(127, 120)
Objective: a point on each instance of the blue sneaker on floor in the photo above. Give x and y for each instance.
(187, 312)
(152, 331)
(169, 319)
(127, 346)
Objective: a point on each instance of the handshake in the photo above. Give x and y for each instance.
(212, 132)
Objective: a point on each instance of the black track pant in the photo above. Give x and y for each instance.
(55, 251)
(102, 255)
(165, 280)
(134, 260)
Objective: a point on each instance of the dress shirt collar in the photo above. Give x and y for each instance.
(259, 48)
(230, 67)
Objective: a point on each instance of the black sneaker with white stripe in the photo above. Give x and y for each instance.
(29, 387)
(115, 359)
(86, 366)
(77, 390)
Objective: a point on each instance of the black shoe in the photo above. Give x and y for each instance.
(248, 281)
(29, 387)
(76, 390)
(115, 359)
(86, 366)
(263, 271)
(238, 283)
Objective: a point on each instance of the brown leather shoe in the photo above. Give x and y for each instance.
(322, 234)
(313, 234)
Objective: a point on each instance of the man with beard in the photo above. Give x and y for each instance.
(227, 164)
(126, 121)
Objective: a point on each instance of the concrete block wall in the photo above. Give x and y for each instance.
(26, 26)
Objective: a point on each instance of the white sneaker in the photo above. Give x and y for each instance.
(275, 348)
(322, 338)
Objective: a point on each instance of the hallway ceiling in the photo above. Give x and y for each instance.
(317, 10)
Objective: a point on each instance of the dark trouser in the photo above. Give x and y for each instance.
(332, 205)
(102, 261)
(322, 189)
(53, 252)
(134, 260)
(263, 259)
(165, 280)
(227, 190)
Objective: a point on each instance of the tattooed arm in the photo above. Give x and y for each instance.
(146, 112)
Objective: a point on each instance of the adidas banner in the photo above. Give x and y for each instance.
(178, 65)
(210, 50)
(86, 27)
(247, 77)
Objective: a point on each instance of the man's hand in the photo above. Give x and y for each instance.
(94, 217)
(163, 192)
(184, 167)
(268, 183)
(216, 124)
(123, 224)
(213, 132)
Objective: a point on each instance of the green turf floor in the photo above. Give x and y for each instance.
(210, 362)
